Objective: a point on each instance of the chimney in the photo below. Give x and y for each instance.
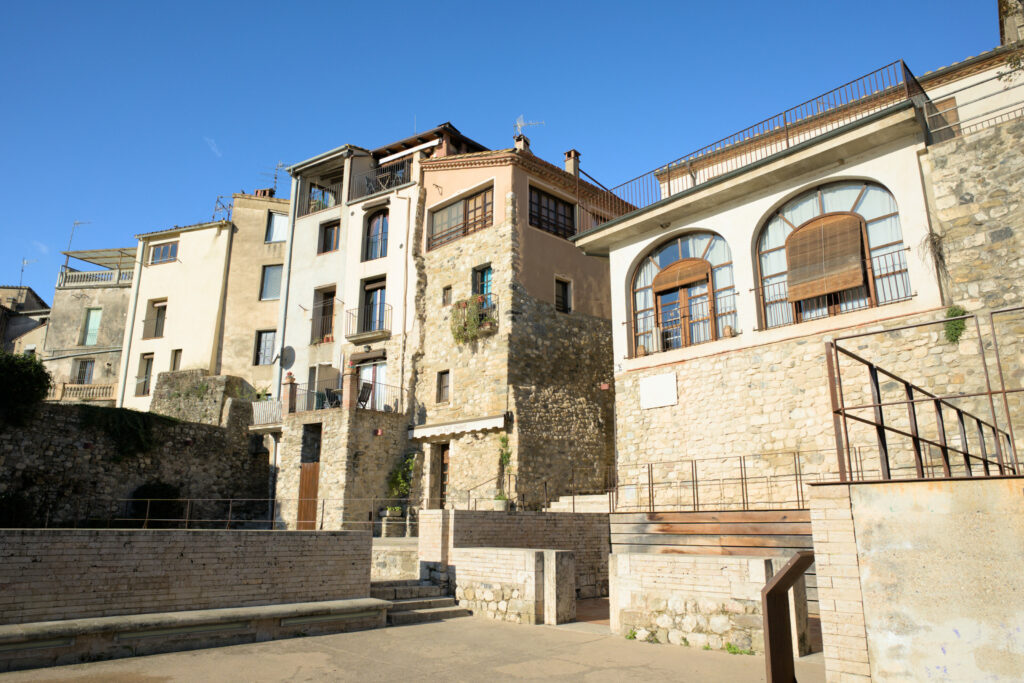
(523, 144)
(265, 192)
(572, 162)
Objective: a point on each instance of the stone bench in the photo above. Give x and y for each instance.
(71, 641)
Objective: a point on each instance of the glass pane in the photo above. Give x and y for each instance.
(719, 252)
(723, 320)
(725, 302)
(841, 196)
(779, 314)
(643, 299)
(700, 332)
(695, 245)
(854, 299)
(92, 325)
(876, 202)
(773, 262)
(277, 231)
(645, 321)
(888, 259)
(645, 275)
(774, 234)
(775, 288)
(668, 254)
(884, 231)
(802, 209)
(271, 282)
(812, 309)
(722, 277)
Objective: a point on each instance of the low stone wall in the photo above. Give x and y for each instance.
(57, 574)
(921, 579)
(74, 463)
(694, 600)
(521, 585)
(395, 562)
(585, 534)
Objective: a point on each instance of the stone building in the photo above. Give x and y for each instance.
(205, 296)
(23, 313)
(473, 329)
(863, 211)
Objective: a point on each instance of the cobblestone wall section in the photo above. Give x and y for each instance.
(693, 600)
(55, 469)
(502, 584)
(49, 574)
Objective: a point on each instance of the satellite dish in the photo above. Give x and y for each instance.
(287, 357)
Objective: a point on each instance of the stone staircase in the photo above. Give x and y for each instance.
(589, 503)
(415, 602)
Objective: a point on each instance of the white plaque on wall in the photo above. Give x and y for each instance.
(658, 391)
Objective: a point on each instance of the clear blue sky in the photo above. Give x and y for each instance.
(136, 116)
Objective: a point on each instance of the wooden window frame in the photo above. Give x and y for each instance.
(321, 244)
(477, 214)
(259, 352)
(263, 282)
(565, 305)
(446, 295)
(444, 380)
(170, 256)
(551, 213)
(368, 236)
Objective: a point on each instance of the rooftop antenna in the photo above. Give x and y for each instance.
(277, 169)
(74, 224)
(220, 207)
(24, 262)
(521, 123)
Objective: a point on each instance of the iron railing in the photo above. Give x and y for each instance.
(366, 319)
(95, 278)
(266, 412)
(877, 91)
(315, 197)
(909, 438)
(683, 328)
(321, 324)
(381, 179)
(973, 109)
(319, 395)
(376, 246)
(384, 398)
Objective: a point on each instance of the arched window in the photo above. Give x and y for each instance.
(830, 250)
(683, 294)
(376, 242)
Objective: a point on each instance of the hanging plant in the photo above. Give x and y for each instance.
(470, 320)
(955, 328)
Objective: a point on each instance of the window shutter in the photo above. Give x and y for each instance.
(684, 272)
(824, 255)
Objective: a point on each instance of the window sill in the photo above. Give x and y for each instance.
(321, 253)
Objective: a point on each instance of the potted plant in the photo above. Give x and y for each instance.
(501, 502)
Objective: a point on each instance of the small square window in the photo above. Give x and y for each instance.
(83, 373)
(563, 296)
(446, 296)
(163, 253)
(270, 287)
(443, 386)
(328, 240)
(277, 227)
(264, 347)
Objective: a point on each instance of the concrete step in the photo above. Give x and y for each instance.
(420, 603)
(419, 616)
(404, 592)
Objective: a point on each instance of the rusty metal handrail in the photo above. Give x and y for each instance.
(778, 640)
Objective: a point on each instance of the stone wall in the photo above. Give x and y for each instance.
(892, 560)
(355, 462)
(52, 574)
(585, 534)
(693, 600)
(197, 396)
(395, 562)
(64, 465)
(524, 586)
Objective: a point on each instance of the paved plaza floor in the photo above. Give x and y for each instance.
(467, 649)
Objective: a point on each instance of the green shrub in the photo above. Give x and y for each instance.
(733, 650)
(26, 384)
(955, 328)
(631, 634)
(400, 479)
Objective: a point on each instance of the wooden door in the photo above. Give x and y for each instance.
(444, 475)
(309, 480)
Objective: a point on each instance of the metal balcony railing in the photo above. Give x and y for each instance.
(879, 90)
(366, 319)
(321, 326)
(317, 197)
(381, 179)
(95, 278)
(319, 395)
(383, 398)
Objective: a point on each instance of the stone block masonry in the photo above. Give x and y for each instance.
(58, 574)
(694, 600)
(524, 586)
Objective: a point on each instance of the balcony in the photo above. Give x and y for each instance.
(315, 197)
(266, 412)
(383, 178)
(383, 398)
(698, 323)
(319, 395)
(95, 278)
(321, 326)
(65, 391)
(368, 323)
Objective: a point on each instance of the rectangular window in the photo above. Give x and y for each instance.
(443, 386)
(328, 240)
(461, 218)
(264, 347)
(482, 278)
(322, 319)
(375, 314)
(145, 373)
(270, 287)
(563, 296)
(551, 214)
(156, 316)
(83, 373)
(175, 360)
(277, 227)
(163, 253)
(91, 327)
(446, 296)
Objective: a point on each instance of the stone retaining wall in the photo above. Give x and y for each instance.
(395, 562)
(524, 586)
(55, 574)
(694, 600)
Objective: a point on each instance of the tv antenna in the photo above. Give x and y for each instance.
(220, 207)
(277, 169)
(74, 224)
(24, 262)
(522, 123)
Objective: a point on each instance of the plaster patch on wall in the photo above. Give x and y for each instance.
(658, 391)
